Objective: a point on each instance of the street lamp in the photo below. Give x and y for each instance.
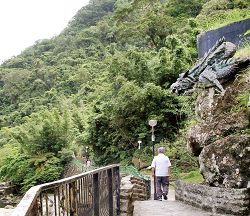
(86, 150)
(139, 147)
(153, 123)
(139, 142)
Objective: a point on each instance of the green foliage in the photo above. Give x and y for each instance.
(91, 14)
(118, 123)
(188, 8)
(42, 147)
(247, 32)
(176, 150)
(175, 172)
(6, 151)
(44, 132)
(243, 102)
(25, 171)
(99, 82)
(15, 168)
(148, 23)
(243, 99)
(244, 51)
(215, 14)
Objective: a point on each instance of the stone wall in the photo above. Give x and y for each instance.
(133, 189)
(214, 199)
(233, 33)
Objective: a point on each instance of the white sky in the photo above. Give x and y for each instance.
(22, 22)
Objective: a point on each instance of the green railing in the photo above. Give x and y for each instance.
(131, 170)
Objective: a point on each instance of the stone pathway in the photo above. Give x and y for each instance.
(168, 207)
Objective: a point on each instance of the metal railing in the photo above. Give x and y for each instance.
(91, 193)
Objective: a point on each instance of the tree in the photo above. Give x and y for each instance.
(116, 124)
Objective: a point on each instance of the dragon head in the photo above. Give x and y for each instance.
(182, 84)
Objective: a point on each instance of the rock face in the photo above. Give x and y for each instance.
(227, 161)
(221, 139)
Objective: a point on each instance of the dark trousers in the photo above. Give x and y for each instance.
(162, 184)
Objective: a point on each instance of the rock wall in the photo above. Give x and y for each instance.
(233, 33)
(221, 136)
(214, 199)
(133, 189)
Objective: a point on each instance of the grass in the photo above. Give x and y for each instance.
(221, 19)
(244, 51)
(192, 177)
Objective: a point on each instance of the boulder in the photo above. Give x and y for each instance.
(226, 162)
(216, 127)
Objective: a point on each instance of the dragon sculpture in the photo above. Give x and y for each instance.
(216, 68)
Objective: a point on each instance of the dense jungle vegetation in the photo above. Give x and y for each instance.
(99, 82)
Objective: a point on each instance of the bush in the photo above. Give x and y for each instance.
(25, 172)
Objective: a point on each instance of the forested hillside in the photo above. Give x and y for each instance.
(99, 82)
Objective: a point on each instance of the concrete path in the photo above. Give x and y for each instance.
(169, 207)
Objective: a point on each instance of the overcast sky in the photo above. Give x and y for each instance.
(22, 22)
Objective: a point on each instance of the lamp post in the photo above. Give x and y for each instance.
(86, 152)
(153, 123)
(139, 144)
(139, 147)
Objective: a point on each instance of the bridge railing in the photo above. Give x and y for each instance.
(92, 193)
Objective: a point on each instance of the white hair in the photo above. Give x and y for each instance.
(161, 150)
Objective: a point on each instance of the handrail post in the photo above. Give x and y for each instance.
(96, 193)
(110, 192)
(117, 176)
(72, 199)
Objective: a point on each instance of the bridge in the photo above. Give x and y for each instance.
(94, 193)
